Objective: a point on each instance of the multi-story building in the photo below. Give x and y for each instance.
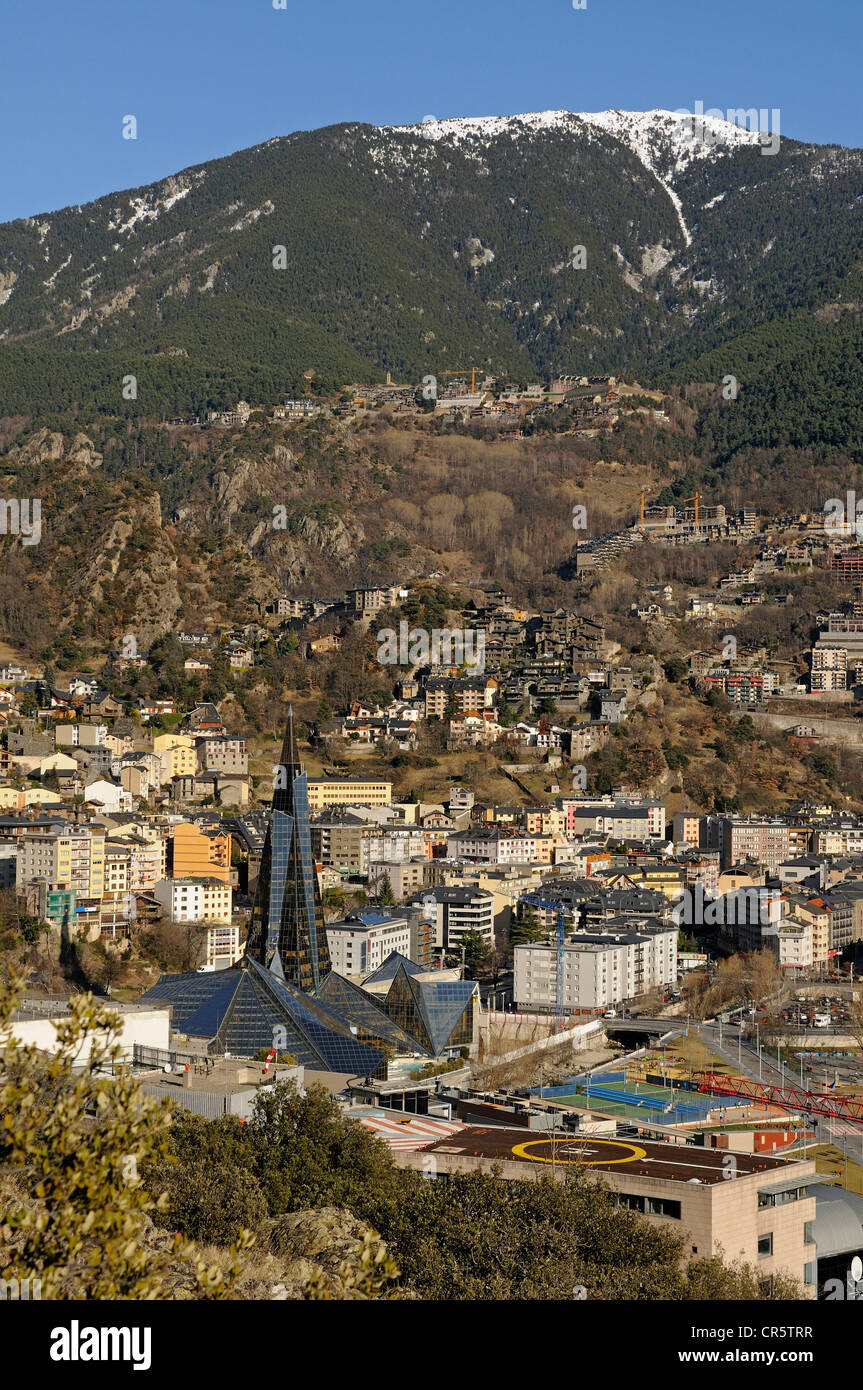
(68, 857)
(370, 598)
(201, 853)
(467, 693)
(829, 668)
(195, 900)
(406, 876)
(223, 755)
(118, 860)
(147, 851)
(335, 792)
(816, 912)
(222, 946)
(389, 844)
(456, 911)
(793, 944)
(343, 845)
(686, 829)
(622, 819)
(764, 842)
(363, 940)
(599, 969)
(494, 847)
(847, 565)
(176, 753)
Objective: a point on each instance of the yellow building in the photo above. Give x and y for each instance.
(177, 754)
(68, 856)
(333, 792)
(11, 799)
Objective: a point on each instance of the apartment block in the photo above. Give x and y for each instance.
(599, 969)
(406, 876)
(223, 755)
(68, 857)
(176, 753)
(456, 911)
(195, 900)
(222, 946)
(201, 853)
(335, 792)
(738, 840)
(624, 820)
(362, 942)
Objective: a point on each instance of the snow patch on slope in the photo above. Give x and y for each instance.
(664, 141)
(148, 208)
(49, 283)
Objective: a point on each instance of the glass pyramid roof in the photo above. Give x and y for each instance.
(371, 1021)
(240, 1010)
(389, 969)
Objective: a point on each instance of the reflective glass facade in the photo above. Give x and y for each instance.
(439, 1013)
(287, 932)
(371, 1023)
(244, 1009)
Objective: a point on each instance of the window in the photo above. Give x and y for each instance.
(661, 1206)
(765, 1246)
(808, 1235)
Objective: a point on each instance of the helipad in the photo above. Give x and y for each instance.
(588, 1152)
(672, 1162)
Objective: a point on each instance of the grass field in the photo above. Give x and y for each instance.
(830, 1160)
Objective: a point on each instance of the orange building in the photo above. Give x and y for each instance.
(201, 853)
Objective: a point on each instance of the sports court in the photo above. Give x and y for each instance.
(635, 1101)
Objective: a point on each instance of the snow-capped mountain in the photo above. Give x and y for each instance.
(554, 241)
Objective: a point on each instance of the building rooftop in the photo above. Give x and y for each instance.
(641, 1157)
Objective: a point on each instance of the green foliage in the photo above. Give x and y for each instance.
(675, 669)
(79, 1138)
(477, 954)
(526, 927)
(210, 1202)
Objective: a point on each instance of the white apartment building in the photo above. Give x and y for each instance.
(794, 944)
(148, 857)
(599, 970)
(362, 942)
(490, 847)
(223, 946)
(397, 845)
(195, 900)
(456, 911)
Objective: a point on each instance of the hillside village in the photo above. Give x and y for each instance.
(571, 404)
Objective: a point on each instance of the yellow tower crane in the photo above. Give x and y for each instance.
(473, 374)
(696, 499)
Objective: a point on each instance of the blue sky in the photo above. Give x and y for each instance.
(207, 77)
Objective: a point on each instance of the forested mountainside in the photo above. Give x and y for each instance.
(424, 248)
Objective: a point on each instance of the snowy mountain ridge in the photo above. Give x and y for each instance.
(665, 142)
(638, 129)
